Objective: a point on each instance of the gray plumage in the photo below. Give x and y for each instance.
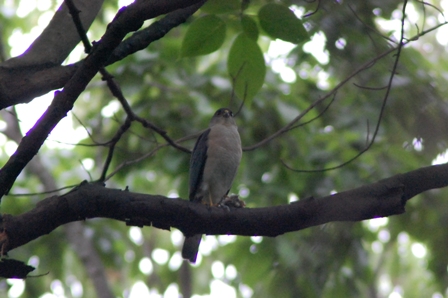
(213, 165)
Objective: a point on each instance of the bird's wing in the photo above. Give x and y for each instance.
(197, 163)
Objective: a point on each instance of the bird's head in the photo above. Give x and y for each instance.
(223, 116)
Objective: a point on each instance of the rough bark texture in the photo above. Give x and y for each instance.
(128, 19)
(383, 198)
(38, 71)
(74, 231)
(22, 78)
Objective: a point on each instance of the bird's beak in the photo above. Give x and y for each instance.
(227, 114)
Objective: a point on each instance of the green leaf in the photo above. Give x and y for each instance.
(219, 6)
(204, 36)
(246, 66)
(280, 22)
(249, 27)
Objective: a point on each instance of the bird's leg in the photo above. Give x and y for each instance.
(210, 199)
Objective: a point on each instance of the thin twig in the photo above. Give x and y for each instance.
(128, 19)
(149, 154)
(126, 125)
(29, 194)
(370, 27)
(370, 88)
(313, 12)
(116, 91)
(85, 128)
(87, 171)
(233, 95)
(383, 106)
(363, 67)
(317, 117)
(74, 12)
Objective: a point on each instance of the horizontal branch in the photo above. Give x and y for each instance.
(383, 198)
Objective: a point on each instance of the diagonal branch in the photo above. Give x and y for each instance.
(123, 128)
(74, 12)
(141, 39)
(58, 39)
(37, 70)
(73, 231)
(147, 155)
(319, 101)
(22, 84)
(382, 109)
(128, 19)
(384, 198)
(113, 85)
(116, 91)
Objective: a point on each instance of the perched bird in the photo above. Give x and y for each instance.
(213, 165)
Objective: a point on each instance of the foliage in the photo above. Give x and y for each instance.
(177, 82)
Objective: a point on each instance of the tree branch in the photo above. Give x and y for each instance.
(22, 84)
(142, 39)
(128, 19)
(118, 94)
(82, 244)
(333, 92)
(58, 39)
(384, 198)
(37, 70)
(381, 113)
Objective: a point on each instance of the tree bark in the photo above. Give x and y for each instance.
(128, 19)
(29, 75)
(38, 70)
(82, 244)
(384, 198)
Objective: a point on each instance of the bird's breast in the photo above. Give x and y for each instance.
(223, 158)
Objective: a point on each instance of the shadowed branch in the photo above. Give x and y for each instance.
(384, 198)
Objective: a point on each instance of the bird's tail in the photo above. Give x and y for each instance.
(191, 247)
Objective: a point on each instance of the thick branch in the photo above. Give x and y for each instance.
(21, 82)
(82, 244)
(128, 19)
(141, 39)
(383, 198)
(37, 70)
(58, 39)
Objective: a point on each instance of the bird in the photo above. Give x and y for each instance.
(213, 165)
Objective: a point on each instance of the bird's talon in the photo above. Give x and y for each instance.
(225, 207)
(232, 201)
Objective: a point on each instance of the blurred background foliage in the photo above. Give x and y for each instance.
(177, 90)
